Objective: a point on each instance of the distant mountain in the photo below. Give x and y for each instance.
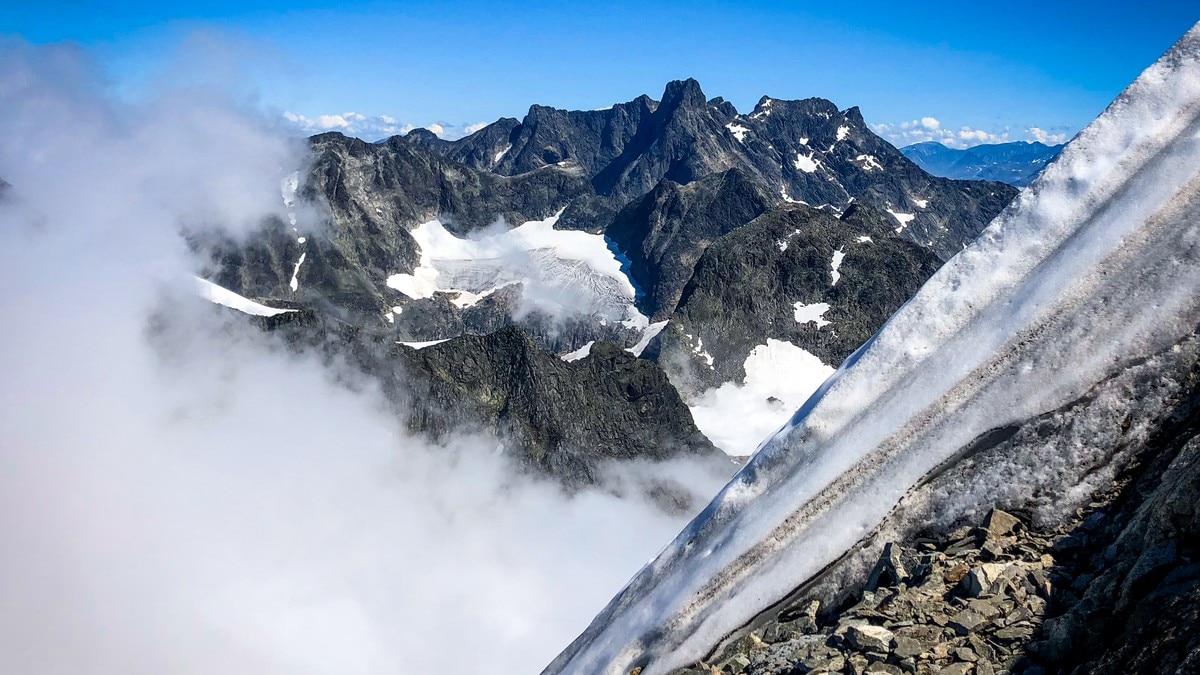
(746, 253)
(1013, 163)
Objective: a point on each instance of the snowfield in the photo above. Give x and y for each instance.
(1095, 266)
(561, 272)
(779, 377)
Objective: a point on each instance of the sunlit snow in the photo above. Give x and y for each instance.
(814, 313)
(580, 353)
(779, 377)
(738, 131)
(804, 163)
(903, 218)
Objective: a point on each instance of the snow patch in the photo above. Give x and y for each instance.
(697, 346)
(903, 218)
(738, 131)
(649, 334)
(834, 264)
(920, 203)
(562, 272)
(814, 313)
(869, 162)
(580, 353)
(500, 155)
(422, 345)
(736, 417)
(804, 163)
(223, 296)
(294, 284)
(864, 240)
(843, 132)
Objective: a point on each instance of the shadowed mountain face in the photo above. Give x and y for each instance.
(567, 420)
(754, 283)
(1013, 163)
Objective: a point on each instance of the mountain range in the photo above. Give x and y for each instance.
(1016, 163)
(666, 227)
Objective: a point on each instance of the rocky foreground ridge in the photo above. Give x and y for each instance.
(1114, 589)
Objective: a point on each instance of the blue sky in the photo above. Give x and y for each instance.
(925, 70)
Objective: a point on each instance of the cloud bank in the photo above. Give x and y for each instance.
(931, 129)
(182, 495)
(373, 128)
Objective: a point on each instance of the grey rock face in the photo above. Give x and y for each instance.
(665, 232)
(806, 150)
(747, 285)
(566, 420)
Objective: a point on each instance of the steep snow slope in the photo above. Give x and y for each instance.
(1093, 268)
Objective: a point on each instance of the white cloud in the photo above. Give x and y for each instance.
(374, 128)
(1046, 137)
(930, 128)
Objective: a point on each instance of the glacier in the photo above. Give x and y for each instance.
(1061, 310)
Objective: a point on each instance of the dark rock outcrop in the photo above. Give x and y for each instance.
(566, 420)
(805, 150)
(665, 232)
(747, 285)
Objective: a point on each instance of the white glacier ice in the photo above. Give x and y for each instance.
(1092, 268)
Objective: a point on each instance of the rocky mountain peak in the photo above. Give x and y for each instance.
(683, 93)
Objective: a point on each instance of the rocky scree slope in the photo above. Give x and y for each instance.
(1113, 588)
